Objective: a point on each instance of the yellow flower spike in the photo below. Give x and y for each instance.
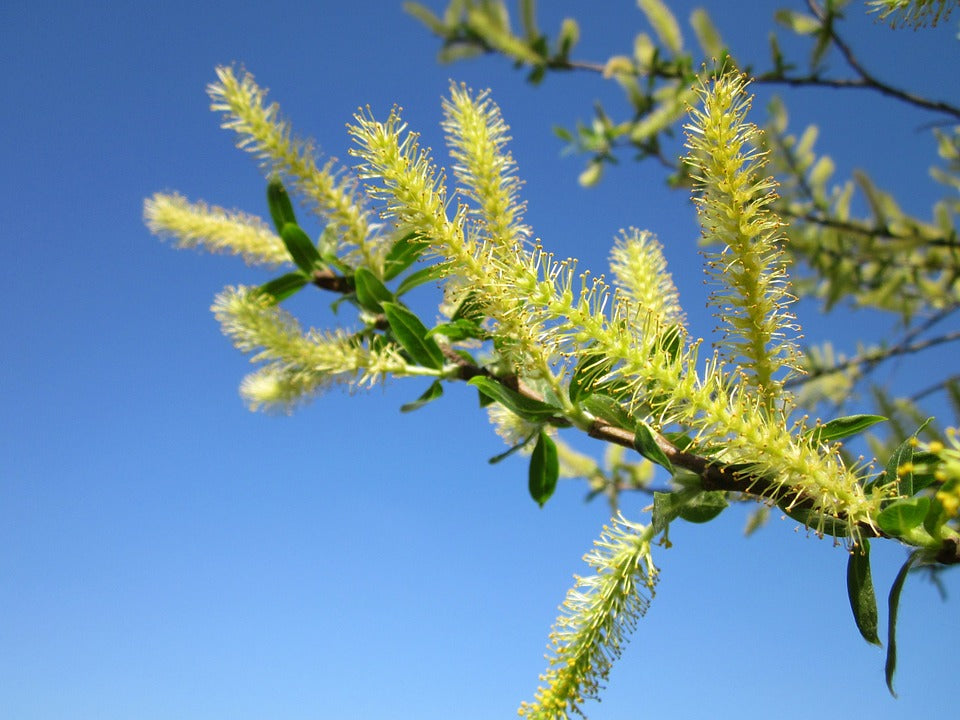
(214, 229)
(734, 205)
(263, 132)
(298, 364)
(595, 617)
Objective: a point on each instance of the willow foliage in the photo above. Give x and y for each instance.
(550, 347)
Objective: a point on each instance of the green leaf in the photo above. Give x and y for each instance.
(371, 293)
(592, 174)
(704, 506)
(568, 38)
(929, 461)
(426, 16)
(421, 276)
(301, 248)
(536, 75)
(691, 504)
(458, 330)
(607, 408)
(433, 392)
(281, 209)
(646, 444)
(808, 518)
(800, 23)
(528, 18)
(843, 427)
(527, 408)
(402, 255)
(666, 507)
(671, 340)
(544, 469)
(894, 605)
(758, 518)
(454, 52)
(664, 24)
(412, 336)
(903, 457)
(281, 288)
(863, 602)
(470, 308)
(707, 34)
(903, 516)
(519, 446)
(589, 370)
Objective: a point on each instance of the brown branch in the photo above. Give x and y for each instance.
(870, 81)
(874, 358)
(714, 475)
(877, 232)
(865, 80)
(326, 279)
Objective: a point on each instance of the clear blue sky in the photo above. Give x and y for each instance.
(164, 553)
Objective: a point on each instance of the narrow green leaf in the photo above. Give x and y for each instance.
(433, 392)
(527, 408)
(458, 51)
(607, 408)
(371, 293)
(592, 174)
(402, 255)
(528, 18)
(929, 462)
(822, 523)
(421, 276)
(470, 308)
(664, 23)
(666, 507)
(484, 399)
(544, 469)
(519, 446)
(281, 209)
(458, 330)
(671, 340)
(589, 370)
(411, 334)
(707, 34)
(568, 38)
(843, 427)
(900, 465)
(301, 248)
(758, 518)
(863, 601)
(953, 394)
(646, 444)
(800, 23)
(451, 16)
(903, 516)
(284, 286)
(890, 666)
(426, 16)
(691, 504)
(704, 506)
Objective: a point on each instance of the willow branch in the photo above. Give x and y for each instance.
(868, 80)
(865, 80)
(713, 475)
(875, 357)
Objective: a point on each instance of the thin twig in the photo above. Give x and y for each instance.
(875, 357)
(871, 81)
(714, 475)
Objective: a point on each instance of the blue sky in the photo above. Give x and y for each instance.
(165, 553)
